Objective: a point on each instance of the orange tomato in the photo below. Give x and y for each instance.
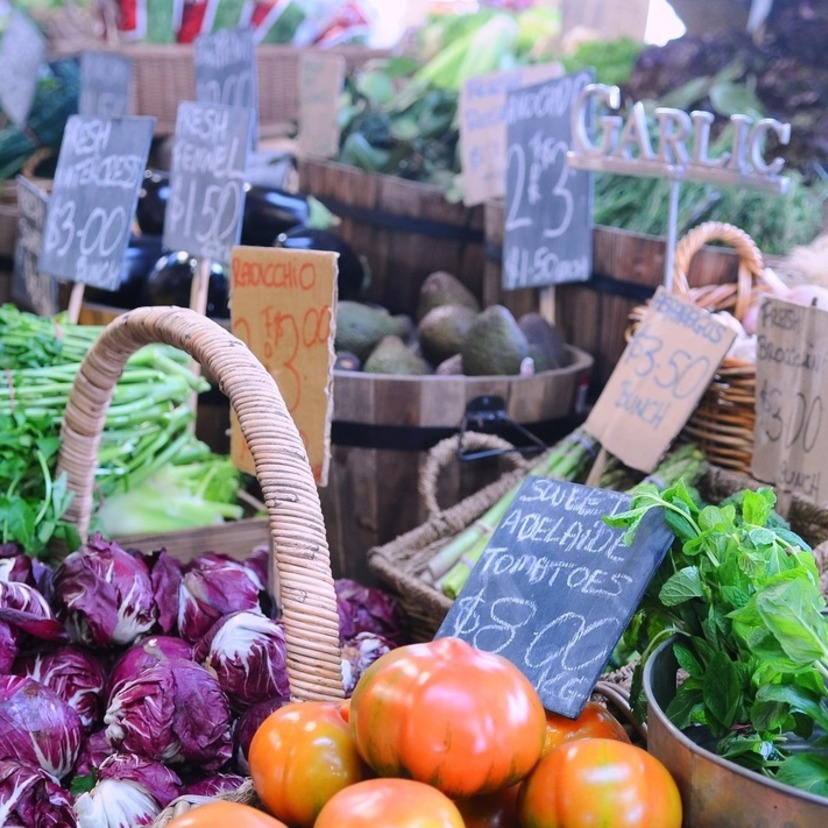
(594, 720)
(465, 721)
(494, 810)
(301, 755)
(221, 814)
(589, 782)
(401, 803)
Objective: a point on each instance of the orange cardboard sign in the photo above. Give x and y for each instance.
(659, 380)
(282, 306)
(321, 77)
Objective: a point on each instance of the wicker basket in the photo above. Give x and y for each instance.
(724, 420)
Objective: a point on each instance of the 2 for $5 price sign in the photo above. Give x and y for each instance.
(659, 380)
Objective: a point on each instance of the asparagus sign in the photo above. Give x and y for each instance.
(557, 586)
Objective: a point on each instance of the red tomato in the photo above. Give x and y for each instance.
(494, 810)
(594, 720)
(221, 814)
(301, 755)
(592, 782)
(465, 721)
(401, 803)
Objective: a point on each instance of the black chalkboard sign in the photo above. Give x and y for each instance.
(548, 221)
(99, 170)
(209, 156)
(22, 53)
(105, 84)
(31, 289)
(556, 587)
(225, 68)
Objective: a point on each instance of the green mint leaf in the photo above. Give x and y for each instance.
(84, 783)
(687, 706)
(682, 586)
(757, 506)
(794, 697)
(806, 771)
(722, 690)
(687, 660)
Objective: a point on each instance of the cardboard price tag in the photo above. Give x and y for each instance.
(659, 380)
(282, 307)
(482, 113)
(789, 448)
(321, 77)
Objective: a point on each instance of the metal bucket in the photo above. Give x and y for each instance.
(715, 792)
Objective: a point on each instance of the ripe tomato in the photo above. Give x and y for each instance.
(401, 803)
(465, 721)
(590, 782)
(301, 755)
(494, 810)
(220, 814)
(594, 720)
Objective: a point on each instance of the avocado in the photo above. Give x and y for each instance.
(441, 288)
(359, 327)
(453, 366)
(393, 356)
(495, 344)
(443, 330)
(545, 344)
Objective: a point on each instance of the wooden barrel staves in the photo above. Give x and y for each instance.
(383, 427)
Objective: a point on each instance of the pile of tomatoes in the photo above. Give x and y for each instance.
(440, 735)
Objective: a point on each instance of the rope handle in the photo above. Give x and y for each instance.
(445, 452)
(300, 559)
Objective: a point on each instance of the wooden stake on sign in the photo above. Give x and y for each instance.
(598, 467)
(75, 302)
(198, 302)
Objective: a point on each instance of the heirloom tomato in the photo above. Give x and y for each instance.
(494, 810)
(465, 721)
(301, 755)
(401, 803)
(594, 720)
(590, 782)
(221, 814)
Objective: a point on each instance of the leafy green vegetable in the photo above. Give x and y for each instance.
(741, 590)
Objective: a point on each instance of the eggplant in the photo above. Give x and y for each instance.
(152, 202)
(140, 257)
(170, 283)
(352, 270)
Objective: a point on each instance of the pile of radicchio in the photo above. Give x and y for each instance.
(128, 679)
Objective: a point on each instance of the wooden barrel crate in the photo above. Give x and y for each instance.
(383, 427)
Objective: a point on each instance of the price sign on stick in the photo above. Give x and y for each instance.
(106, 82)
(282, 307)
(556, 587)
(482, 114)
(548, 222)
(659, 380)
(22, 53)
(31, 288)
(790, 445)
(207, 169)
(99, 171)
(321, 76)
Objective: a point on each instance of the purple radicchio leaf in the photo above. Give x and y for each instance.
(28, 613)
(15, 565)
(247, 724)
(143, 654)
(29, 796)
(166, 574)
(368, 609)
(172, 712)
(214, 586)
(9, 647)
(77, 675)
(358, 653)
(213, 785)
(104, 594)
(37, 726)
(94, 749)
(247, 654)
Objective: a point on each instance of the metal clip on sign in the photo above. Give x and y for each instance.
(487, 414)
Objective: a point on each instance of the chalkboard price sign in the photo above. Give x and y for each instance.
(22, 52)
(99, 170)
(556, 587)
(225, 68)
(207, 170)
(106, 80)
(548, 224)
(30, 288)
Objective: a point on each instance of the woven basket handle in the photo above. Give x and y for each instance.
(302, 558)
(751, 264)
(445, 452)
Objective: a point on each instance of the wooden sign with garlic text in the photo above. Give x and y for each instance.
(282, 306)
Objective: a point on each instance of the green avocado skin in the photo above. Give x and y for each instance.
(495, 344)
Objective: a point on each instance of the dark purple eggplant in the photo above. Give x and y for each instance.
(152, 202)
(141, 254)
(352, 273)
(170, 283)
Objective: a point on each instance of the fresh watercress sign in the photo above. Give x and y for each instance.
(742, 592)
(99, 170)
(209, 156)
(790, 449)
(106, 81)
(556, 587)
(548, 224)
